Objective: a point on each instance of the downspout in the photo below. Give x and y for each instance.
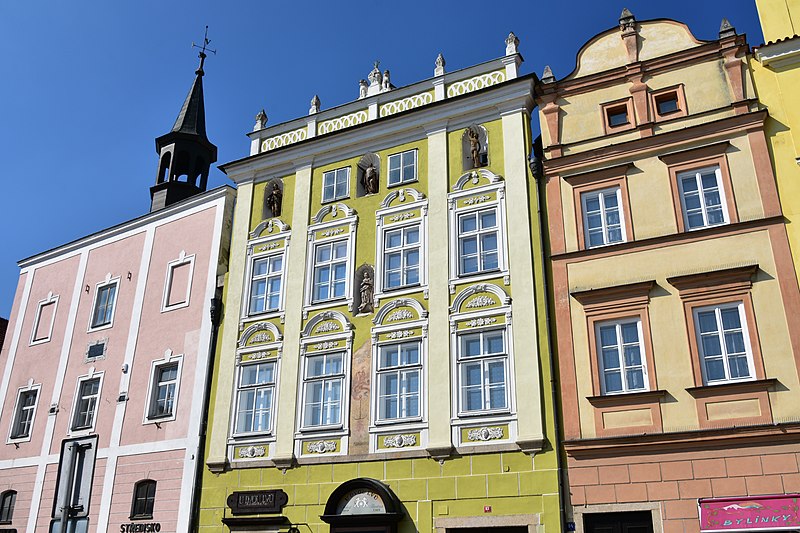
(537, 169)
(216, 316)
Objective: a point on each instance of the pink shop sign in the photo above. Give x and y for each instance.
(751, 513)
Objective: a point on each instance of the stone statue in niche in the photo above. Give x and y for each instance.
(474, 147)
(370, 179)
(367, 292)
(275, 200)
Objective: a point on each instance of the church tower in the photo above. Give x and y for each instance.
(185, 154)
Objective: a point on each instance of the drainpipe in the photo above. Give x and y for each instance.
(216, 316)
(537, 169)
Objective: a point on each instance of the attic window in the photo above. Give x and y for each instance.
(617, 115)
(667, 103)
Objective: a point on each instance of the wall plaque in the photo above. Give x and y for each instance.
(257, 501)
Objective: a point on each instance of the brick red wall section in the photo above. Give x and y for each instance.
(678, 479)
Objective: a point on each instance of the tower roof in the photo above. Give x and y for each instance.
(192, 117)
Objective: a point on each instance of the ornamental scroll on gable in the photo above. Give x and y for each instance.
(482, 296)
(258, 334)
(270, 227)
(400, 311)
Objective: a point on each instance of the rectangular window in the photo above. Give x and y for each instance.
(724, 343)
(702, 198)
(265, 284)
(165, 382)
(179, 282)
(403, 167)
(602, 220)
(103, 311)
(322, 394)
(330, 271)
(23, 417)
(401, 257)
(43, 325)
(667, 103)
(254, 398)
(335, 184)
(617, 115)
(86, 404)
(483, 362)
(399, 376)
(478, 237)
(620, 351)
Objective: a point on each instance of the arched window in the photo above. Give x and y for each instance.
(144, 496)
(7, 500)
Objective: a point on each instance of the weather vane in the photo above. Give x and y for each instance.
(203, 49)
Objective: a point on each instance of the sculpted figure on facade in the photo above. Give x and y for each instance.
(367, 292)
(275, 200)
(362, 88)
(370, 179)
(474, 147)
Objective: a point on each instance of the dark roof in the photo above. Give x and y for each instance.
(192, 118)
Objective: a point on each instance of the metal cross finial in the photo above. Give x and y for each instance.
(376, 63)
(203, 49)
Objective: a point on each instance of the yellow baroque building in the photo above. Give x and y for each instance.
(776, 76)
(383, 362)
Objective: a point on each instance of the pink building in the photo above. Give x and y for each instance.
(104, 368)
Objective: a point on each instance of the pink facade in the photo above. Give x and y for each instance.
(110, 339)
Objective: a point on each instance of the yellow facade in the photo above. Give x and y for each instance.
(451, 464)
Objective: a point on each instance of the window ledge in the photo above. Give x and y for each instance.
(628, 398)
(755, 385)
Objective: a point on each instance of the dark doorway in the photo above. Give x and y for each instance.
(629, 522)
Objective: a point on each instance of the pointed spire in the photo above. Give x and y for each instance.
(547, 75)
(726, 29)
(192, 116)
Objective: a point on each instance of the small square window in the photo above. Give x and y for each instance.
(103, 311)
(667, 103)
(336, 184)
(96, 350)
(617, 115)
(403, 167)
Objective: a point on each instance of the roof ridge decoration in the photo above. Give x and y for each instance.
(726, 29)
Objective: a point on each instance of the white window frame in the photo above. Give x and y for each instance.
(273, 386)
(386, 211)
(349, 235)
(330, 264)
(403, 249)
(183, 259)
(155, 367)
(324, 378)
(399, 156)
(399, 369)
(340, 340)
(332, 175)
(623, 368)
(462, 361)
(81, 380)
(106, 283)
(269, 257)
(495, 185)
(717, 308)
(477, 234)
(703, 207)
(600, 195)
(17, 412)
(50, 300)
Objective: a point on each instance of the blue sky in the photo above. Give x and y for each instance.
(88, 85)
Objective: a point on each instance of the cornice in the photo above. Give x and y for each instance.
(455, 112)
